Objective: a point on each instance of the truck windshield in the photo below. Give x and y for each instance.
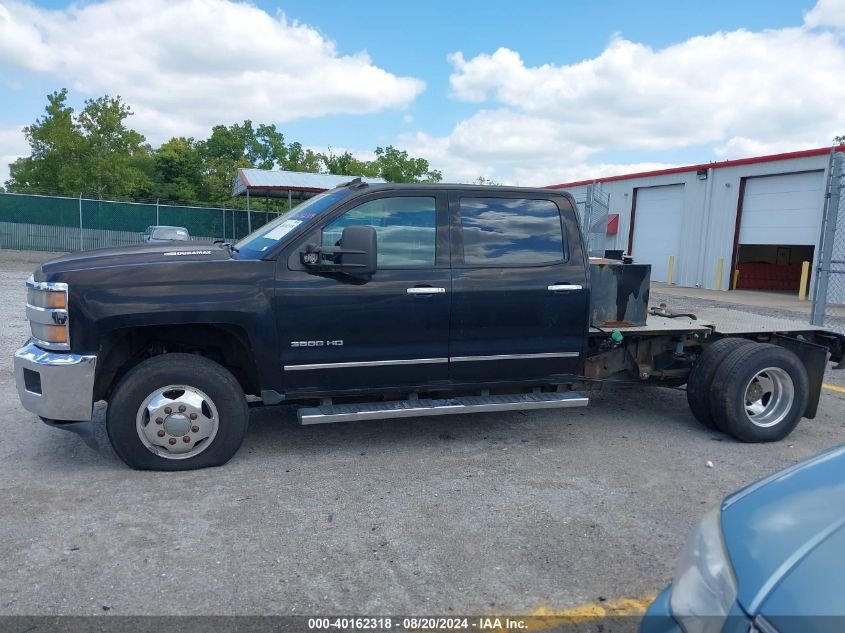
(263, 239)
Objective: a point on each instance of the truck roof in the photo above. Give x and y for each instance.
(394, 186)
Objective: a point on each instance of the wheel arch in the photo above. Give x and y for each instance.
(813, 354)
(121, 349)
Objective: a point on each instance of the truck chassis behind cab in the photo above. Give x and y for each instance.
(385, 301)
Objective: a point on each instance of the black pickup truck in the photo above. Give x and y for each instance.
(386, 301)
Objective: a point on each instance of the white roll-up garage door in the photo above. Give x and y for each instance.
(657, 228)
(785, 209)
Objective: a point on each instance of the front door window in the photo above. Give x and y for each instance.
(406, 229)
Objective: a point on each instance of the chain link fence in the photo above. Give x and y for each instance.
(829, 294)
(63, 224)
(594, 211)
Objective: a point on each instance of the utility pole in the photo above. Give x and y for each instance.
(831, 214)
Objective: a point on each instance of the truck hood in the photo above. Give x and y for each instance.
(786, 536)
(135, 254)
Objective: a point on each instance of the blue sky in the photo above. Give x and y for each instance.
(543, 32)
(541, 92)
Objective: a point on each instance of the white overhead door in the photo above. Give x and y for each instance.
(657, 228)
(784, 209)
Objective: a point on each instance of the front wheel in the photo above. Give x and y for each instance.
(759, 393)
(177, 412)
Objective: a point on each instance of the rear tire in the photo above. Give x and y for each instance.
(702, 374)
(177, 412)
(759, 393)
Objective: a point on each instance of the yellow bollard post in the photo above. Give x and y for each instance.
(720, 268)
(671, 269)
(805, 277)
(736, 279)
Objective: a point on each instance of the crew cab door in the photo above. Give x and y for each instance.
(340, 333)
(519, 288)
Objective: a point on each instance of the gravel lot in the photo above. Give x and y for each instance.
(499, 513)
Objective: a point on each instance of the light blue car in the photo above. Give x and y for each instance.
(770, 559)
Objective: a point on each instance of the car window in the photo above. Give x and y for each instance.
(512, 232)
(170, 233)
(405, 229)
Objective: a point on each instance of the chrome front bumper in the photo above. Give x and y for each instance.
(55, 385)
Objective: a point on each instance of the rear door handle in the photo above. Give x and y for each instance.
(564, 287)
(425, 290)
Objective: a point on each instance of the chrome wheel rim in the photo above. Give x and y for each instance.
(177, 422)
(769, 397)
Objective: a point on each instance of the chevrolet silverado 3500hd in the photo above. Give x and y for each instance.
(386, 301)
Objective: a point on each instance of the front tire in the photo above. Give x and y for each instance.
(759, 393)
(177, 412)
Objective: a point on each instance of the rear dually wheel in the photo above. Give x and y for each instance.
(702, 374)
(759, 393)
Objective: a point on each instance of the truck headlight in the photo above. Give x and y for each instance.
(40, 297)
(703, 585)
(46, 309)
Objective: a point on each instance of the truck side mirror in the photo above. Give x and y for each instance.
(358, 251)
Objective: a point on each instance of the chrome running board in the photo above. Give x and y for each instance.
(447, 406)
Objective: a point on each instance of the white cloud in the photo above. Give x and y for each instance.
(529, 171)
(21, 43)
(583, 171)
(738, 92)
(438, 152)
(707, 89)
(742, 147)
(12, 145)
(827, 13)
(184, 65)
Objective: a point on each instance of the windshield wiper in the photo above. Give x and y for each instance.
(231, 247)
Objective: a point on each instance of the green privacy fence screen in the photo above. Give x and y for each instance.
(62, 224)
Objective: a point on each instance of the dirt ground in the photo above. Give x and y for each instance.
(507, 512)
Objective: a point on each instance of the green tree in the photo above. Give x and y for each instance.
(55, 143)
(218, 175)
(235, 146)
(301, 159)
(115, 160)
(839, 140)
(269, 150)
(396, 166)
(93, 153)
(346, 164)
(96, 153)
(483, 180)
(390, 163)
(180, 171)
(263, 148)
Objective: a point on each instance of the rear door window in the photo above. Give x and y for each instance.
(511, 232)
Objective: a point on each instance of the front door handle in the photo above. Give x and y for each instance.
(564, 287)
(425, 290)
